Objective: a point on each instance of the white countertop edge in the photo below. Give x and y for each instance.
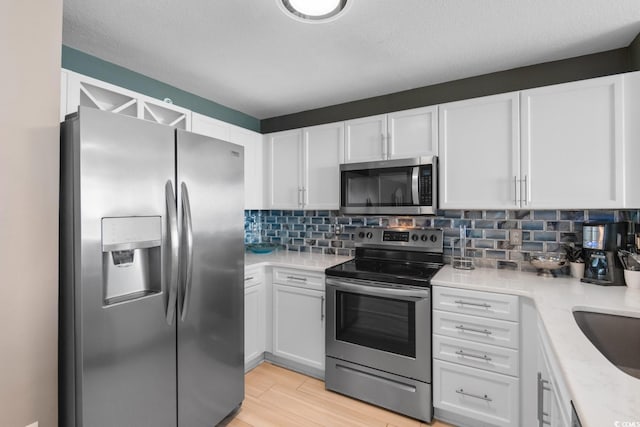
(602, 394)
(292, 259)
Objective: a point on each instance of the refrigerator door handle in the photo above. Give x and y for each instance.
(175, 247)
(188, 262)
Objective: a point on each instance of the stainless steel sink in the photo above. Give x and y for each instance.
(616, 337)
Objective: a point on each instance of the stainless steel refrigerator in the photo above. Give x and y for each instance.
(151, 274)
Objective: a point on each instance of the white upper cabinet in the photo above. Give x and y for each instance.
(479, 153)
(366, 139)
(399, 135)
(632, 138)
(303, 167)
(90, 92)
(413, 133)
(284, 160)
(572, 145)
(253, 154)
(323, 153)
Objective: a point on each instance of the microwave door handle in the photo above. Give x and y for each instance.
(415, 190)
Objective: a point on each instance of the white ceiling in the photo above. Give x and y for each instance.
(249, 56)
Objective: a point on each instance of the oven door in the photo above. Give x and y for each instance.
(380, 326)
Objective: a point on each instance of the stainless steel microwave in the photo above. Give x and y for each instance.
(390, 187)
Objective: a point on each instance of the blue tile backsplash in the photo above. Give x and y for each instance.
(329, 232)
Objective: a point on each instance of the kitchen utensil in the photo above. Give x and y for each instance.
(262, 248)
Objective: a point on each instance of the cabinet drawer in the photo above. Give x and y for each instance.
(492, 358)
(477, 394)
(479, 329)
(300, 278)
(253, 276)
(485, 304)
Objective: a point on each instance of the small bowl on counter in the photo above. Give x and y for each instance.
(262, 248)
(548, 263)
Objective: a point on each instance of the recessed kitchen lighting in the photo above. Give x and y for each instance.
(314, 10)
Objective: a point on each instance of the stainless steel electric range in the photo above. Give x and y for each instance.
(378, 334)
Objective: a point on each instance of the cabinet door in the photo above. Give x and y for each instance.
(323, 153)
(284, 162)
(365, 139)
(298, 325)
(479, 153)
(413, 133)
(254, 322)
(253, 165)
(572, 145)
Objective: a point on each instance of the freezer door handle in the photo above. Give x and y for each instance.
(172, 267)
(187, 263)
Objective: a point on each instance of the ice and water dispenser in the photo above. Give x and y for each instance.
(131, 258)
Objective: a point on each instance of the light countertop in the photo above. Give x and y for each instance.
(284, 258)
(601, 393)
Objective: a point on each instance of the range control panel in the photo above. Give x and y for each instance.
(425, 239)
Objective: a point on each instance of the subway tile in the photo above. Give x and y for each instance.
(495, 234)
(484, 244)
(442, 223)
(405, 222)
(472, 214)
(507, 225)
(344, 252)
(344, 220)
(372, 221)
(324, 213)
(357, 221)
(456, 223)
(298, 213)
(508, 265)
(495, 254)
(476, 234)
(317, 235)
(484, 223)
(532, 225)
(329, 251)
(601, 216)
(572, 215)
(452, 214)
(558, 226)
(336, 244)
(532, 246)
(323, 243)
(324, 227)
(545, 236)
(520, 214)
(545, 215)
(495, 215)
(316, 250)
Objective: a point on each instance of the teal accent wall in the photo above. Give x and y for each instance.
(97, 68)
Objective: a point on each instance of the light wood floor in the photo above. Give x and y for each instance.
(275, 396)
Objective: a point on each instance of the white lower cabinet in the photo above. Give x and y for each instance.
(298, 325)
(480, 395)
(476, 352)
(298, 319)
(254, 317)
(553, 401)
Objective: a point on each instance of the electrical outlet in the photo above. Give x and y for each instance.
(33, 424)
(515, 237)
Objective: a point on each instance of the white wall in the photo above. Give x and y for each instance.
(30, 44)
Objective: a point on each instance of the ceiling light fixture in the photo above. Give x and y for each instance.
(314, 10)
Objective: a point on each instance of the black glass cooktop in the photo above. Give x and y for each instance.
(409, 273)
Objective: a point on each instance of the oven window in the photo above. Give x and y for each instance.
(382, 323)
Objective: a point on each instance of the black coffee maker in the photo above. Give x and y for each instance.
(600, 244)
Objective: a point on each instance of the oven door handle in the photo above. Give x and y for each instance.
(378, 289)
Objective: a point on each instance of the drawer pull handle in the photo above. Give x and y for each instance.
(463, 354)
(480, 331)
(475, 304)
(302, 279)
(477, 396)
(246, 279)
